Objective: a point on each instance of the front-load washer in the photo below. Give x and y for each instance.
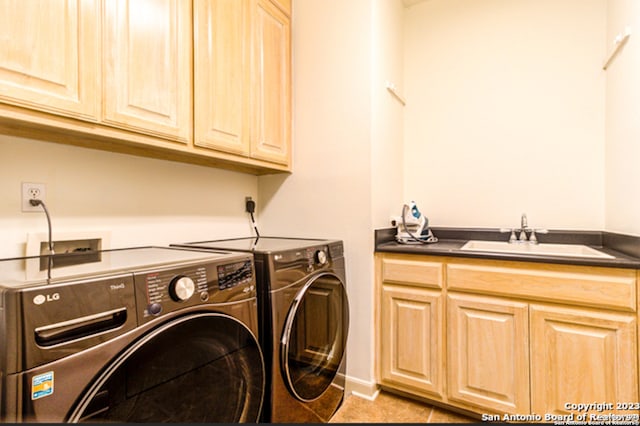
(304, 322)
(135, 335)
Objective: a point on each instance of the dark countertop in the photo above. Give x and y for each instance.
(626, 249)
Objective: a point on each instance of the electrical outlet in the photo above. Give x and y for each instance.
(249, 205)
(32, 191)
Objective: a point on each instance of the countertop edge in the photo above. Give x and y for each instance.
(385, 243)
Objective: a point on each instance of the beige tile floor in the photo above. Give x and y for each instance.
(390, 408)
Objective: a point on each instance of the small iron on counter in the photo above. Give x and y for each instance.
(412, 227)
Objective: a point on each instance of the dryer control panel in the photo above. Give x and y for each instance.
(306, 259)
(162, 291)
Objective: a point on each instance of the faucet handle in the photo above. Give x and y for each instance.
(512, 237)
(532, 238)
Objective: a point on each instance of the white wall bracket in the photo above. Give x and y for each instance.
(394, 91)
(620, 40)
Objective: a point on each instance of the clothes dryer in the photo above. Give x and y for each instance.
(136, 335)
(304, 322)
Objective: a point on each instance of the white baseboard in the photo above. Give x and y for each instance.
(361, 388)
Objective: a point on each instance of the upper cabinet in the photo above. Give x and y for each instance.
(221, 70)
(147, 66)
(271, 103)
(285, 5)
(202, 81)
(242, 68)
(49, 56)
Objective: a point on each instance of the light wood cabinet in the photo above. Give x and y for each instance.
(222, 42)
(607, 288)
(521, 337)
(411, 325)
(411, 270)
(285, 5)
(147, 66)
(49, 56)
(242, 66)
(118, 76)
(488, 353)
(581, 356)
(411, 329)
(271, 88)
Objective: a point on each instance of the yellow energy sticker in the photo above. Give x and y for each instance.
(42, 385)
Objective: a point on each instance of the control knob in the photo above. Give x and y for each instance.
(321, 257)
(181, 288)
(154, 308)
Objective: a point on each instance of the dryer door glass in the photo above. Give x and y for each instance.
(315, 336)
(203, 368)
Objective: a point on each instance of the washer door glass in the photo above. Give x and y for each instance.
(203, 368)
(315, 336)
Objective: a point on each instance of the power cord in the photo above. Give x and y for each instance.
(250, 206)
(37, 202)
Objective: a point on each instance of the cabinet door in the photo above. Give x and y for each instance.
(271, 76)
(488, 358)
(580, 356)
(221, 69)
(411, 339)
(285, 5)
(147, 69)
(49, 56)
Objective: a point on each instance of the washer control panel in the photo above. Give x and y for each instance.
(233, 274)
(162, 291)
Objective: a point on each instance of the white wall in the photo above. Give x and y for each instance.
(623, 121)
(341, 140)
(506, 112)
(387, 118)
(138, 201)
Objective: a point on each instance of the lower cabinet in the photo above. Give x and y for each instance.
(442, 338)
(488, 353)
(413, 349)
(581, 356)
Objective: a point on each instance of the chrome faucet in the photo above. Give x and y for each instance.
(524, 227)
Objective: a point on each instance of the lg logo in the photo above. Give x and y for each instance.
(41, 298)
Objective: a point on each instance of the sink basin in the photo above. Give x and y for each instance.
(572, 250)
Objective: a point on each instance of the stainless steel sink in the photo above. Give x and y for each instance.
(571, 250)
